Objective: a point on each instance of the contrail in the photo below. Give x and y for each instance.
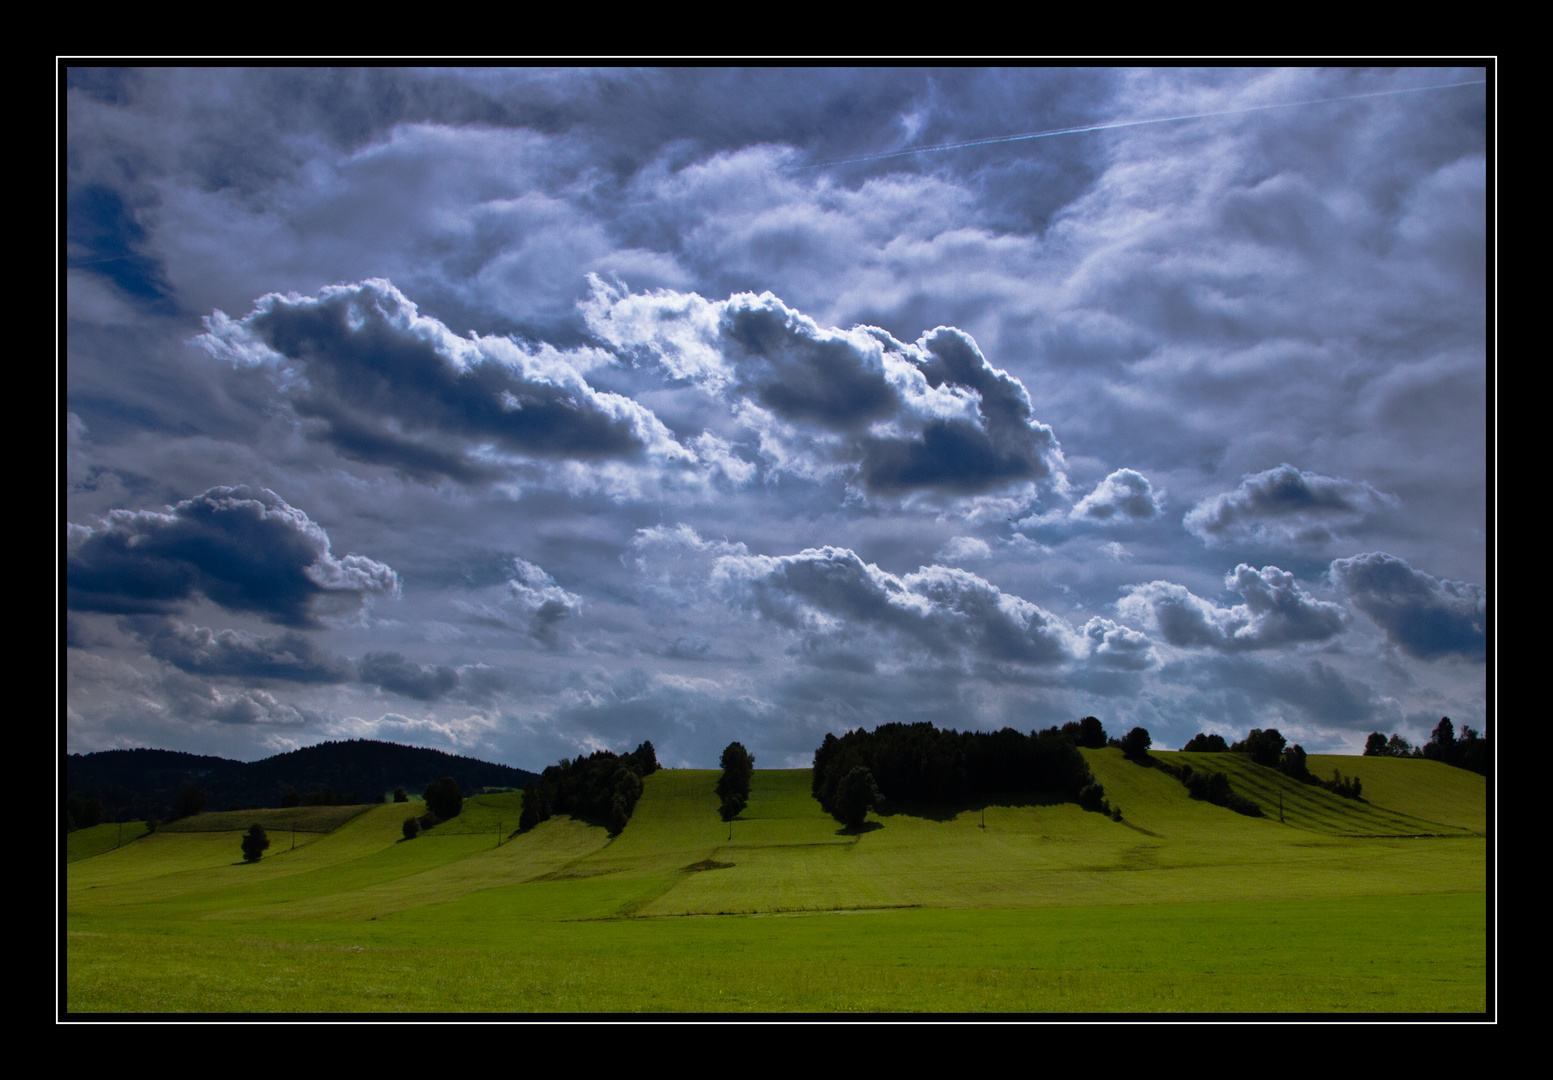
(1108, 125)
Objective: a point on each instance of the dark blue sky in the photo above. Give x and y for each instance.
(523, 413)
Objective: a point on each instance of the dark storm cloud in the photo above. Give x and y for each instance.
(392, 672)
(1275, 612)
(1425, 616)
(934, 415)
(395, 388)
(1285, 506)
(1196, 301)
(237, 654)
(244, 549)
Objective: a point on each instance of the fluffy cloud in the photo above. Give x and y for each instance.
(1113, 645)
(1423, 615)
(1275, 612)
(830, 593)
(929, 416)
(389, 386)
(964, 549)
(244, 549)
(1286, 506)
(1123, 496)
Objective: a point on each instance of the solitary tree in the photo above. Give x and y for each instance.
(733, 787)
(400, 795)
(412, 828)
(1375, 745)
(255, 843)
(1136, 743)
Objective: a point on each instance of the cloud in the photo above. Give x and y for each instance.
(963, 549)
(1322, 693)
(1425, 616)
(1276, 612)
(1285, 506)
(1123, 496)
(929, 416)
(830, 593)
(545, 601)
(530, 601)
(389, 386)
(244, 549)
(392, 672)
(1116, 646)
(236, 653)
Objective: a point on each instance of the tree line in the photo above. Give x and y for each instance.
(602, 788)
(1268, 748)
(921, 763)
(1469, 751)
(144, 784)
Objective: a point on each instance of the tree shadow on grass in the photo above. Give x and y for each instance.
(948, 811)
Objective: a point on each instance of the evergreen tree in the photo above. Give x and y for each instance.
(733, 787)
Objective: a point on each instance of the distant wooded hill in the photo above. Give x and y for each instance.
(140, 784)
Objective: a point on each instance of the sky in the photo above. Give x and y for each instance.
(527, 413)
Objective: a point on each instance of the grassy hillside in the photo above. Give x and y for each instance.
(1045, 907)
(97, 839)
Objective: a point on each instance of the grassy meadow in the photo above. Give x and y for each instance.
(1344, 906)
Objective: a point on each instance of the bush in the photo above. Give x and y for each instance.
(412, 828)
(429, 820)
(400, 795)
(255, 843)
(1092, 797)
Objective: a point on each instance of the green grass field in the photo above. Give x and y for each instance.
(1374, 906)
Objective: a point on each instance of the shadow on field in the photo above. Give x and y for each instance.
(948, 811)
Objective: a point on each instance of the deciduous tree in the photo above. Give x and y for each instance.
(444, 798)
(255, 843)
